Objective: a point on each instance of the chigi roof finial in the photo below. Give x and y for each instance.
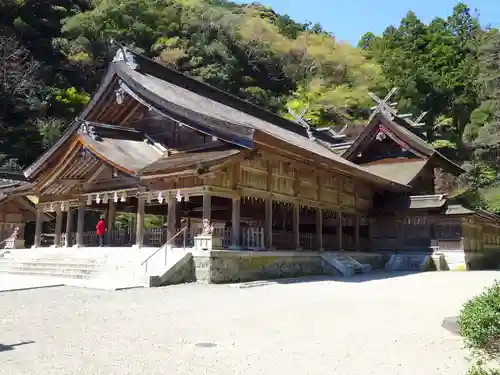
(123, 54)
(300, 120)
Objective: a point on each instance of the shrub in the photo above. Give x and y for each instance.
(479, 322)
(479, 370)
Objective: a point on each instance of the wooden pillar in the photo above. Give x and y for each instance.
(296, 225)
(171, 217)
(139, 228)
(339, 229)
(59, 217)
(207, 206)
(356, 231)
(269, 223)
(80, 225)
(110, 220)
(319, 228)
(69, 222)
(235, 221)
(38, 226)
(111, 213)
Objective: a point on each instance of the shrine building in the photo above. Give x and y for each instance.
(154, 141)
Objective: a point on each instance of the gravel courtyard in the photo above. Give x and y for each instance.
(383, 326)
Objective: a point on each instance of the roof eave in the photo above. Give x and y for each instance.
(31, 171)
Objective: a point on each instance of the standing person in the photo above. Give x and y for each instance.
(100, 230)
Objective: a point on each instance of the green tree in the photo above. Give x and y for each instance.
(434, 66)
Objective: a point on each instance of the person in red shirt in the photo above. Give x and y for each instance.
(100, 230)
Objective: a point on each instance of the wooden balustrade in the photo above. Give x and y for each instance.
(253, 238)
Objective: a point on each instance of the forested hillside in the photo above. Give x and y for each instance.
(53, 55)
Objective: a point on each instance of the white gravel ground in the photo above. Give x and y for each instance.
(384, 326)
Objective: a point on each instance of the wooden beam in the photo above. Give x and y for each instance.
(97, 172)
(59, 168)
(70, 181)
(55, 198)
(133, 111)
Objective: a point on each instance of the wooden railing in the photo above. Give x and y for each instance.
(251, 238)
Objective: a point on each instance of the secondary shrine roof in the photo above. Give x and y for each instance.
(400, 170)
(397, 129)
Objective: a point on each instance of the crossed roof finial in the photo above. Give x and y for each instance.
(299, 120)
(383, 106)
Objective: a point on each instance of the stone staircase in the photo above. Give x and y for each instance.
(54, 267)
(101, 268)
(408, 262)
(455, 260)
(346, 264)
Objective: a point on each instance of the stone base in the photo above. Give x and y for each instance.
(242, 266)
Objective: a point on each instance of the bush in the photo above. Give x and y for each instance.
(479, 370)
(479, 322)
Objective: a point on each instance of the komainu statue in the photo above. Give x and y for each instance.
(208, 228)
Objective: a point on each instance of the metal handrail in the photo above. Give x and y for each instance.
(166, 244)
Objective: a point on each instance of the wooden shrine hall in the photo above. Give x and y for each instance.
(154, 141)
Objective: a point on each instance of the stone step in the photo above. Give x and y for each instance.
(9, 267)
(45, 273)
(62, 262)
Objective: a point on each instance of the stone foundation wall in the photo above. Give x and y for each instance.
(239, 266)
(242, 266)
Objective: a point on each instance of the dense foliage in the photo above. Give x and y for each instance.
(480, 321)
(53, 55)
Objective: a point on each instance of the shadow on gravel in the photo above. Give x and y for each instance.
(451, 325)
(377, 275)
(7, 348)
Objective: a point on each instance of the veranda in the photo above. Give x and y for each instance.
(239, 221)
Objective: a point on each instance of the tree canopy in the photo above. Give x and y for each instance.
(53, 55)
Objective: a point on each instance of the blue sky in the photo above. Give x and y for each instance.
(350, 19)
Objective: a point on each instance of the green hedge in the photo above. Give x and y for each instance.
(479, 370)
(479, 322)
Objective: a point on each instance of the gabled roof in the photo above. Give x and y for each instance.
(207, 110)
(190, 160)
(12, 181)
(400, 131)
(401, 170)
(126, 149)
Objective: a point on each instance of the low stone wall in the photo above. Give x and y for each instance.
(240, 266)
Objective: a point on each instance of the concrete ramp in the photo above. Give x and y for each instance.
(408, 262)
(347, 265)
(179, 270)
(455, 260)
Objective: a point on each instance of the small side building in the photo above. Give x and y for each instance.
(16, 209)
(424, 220)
